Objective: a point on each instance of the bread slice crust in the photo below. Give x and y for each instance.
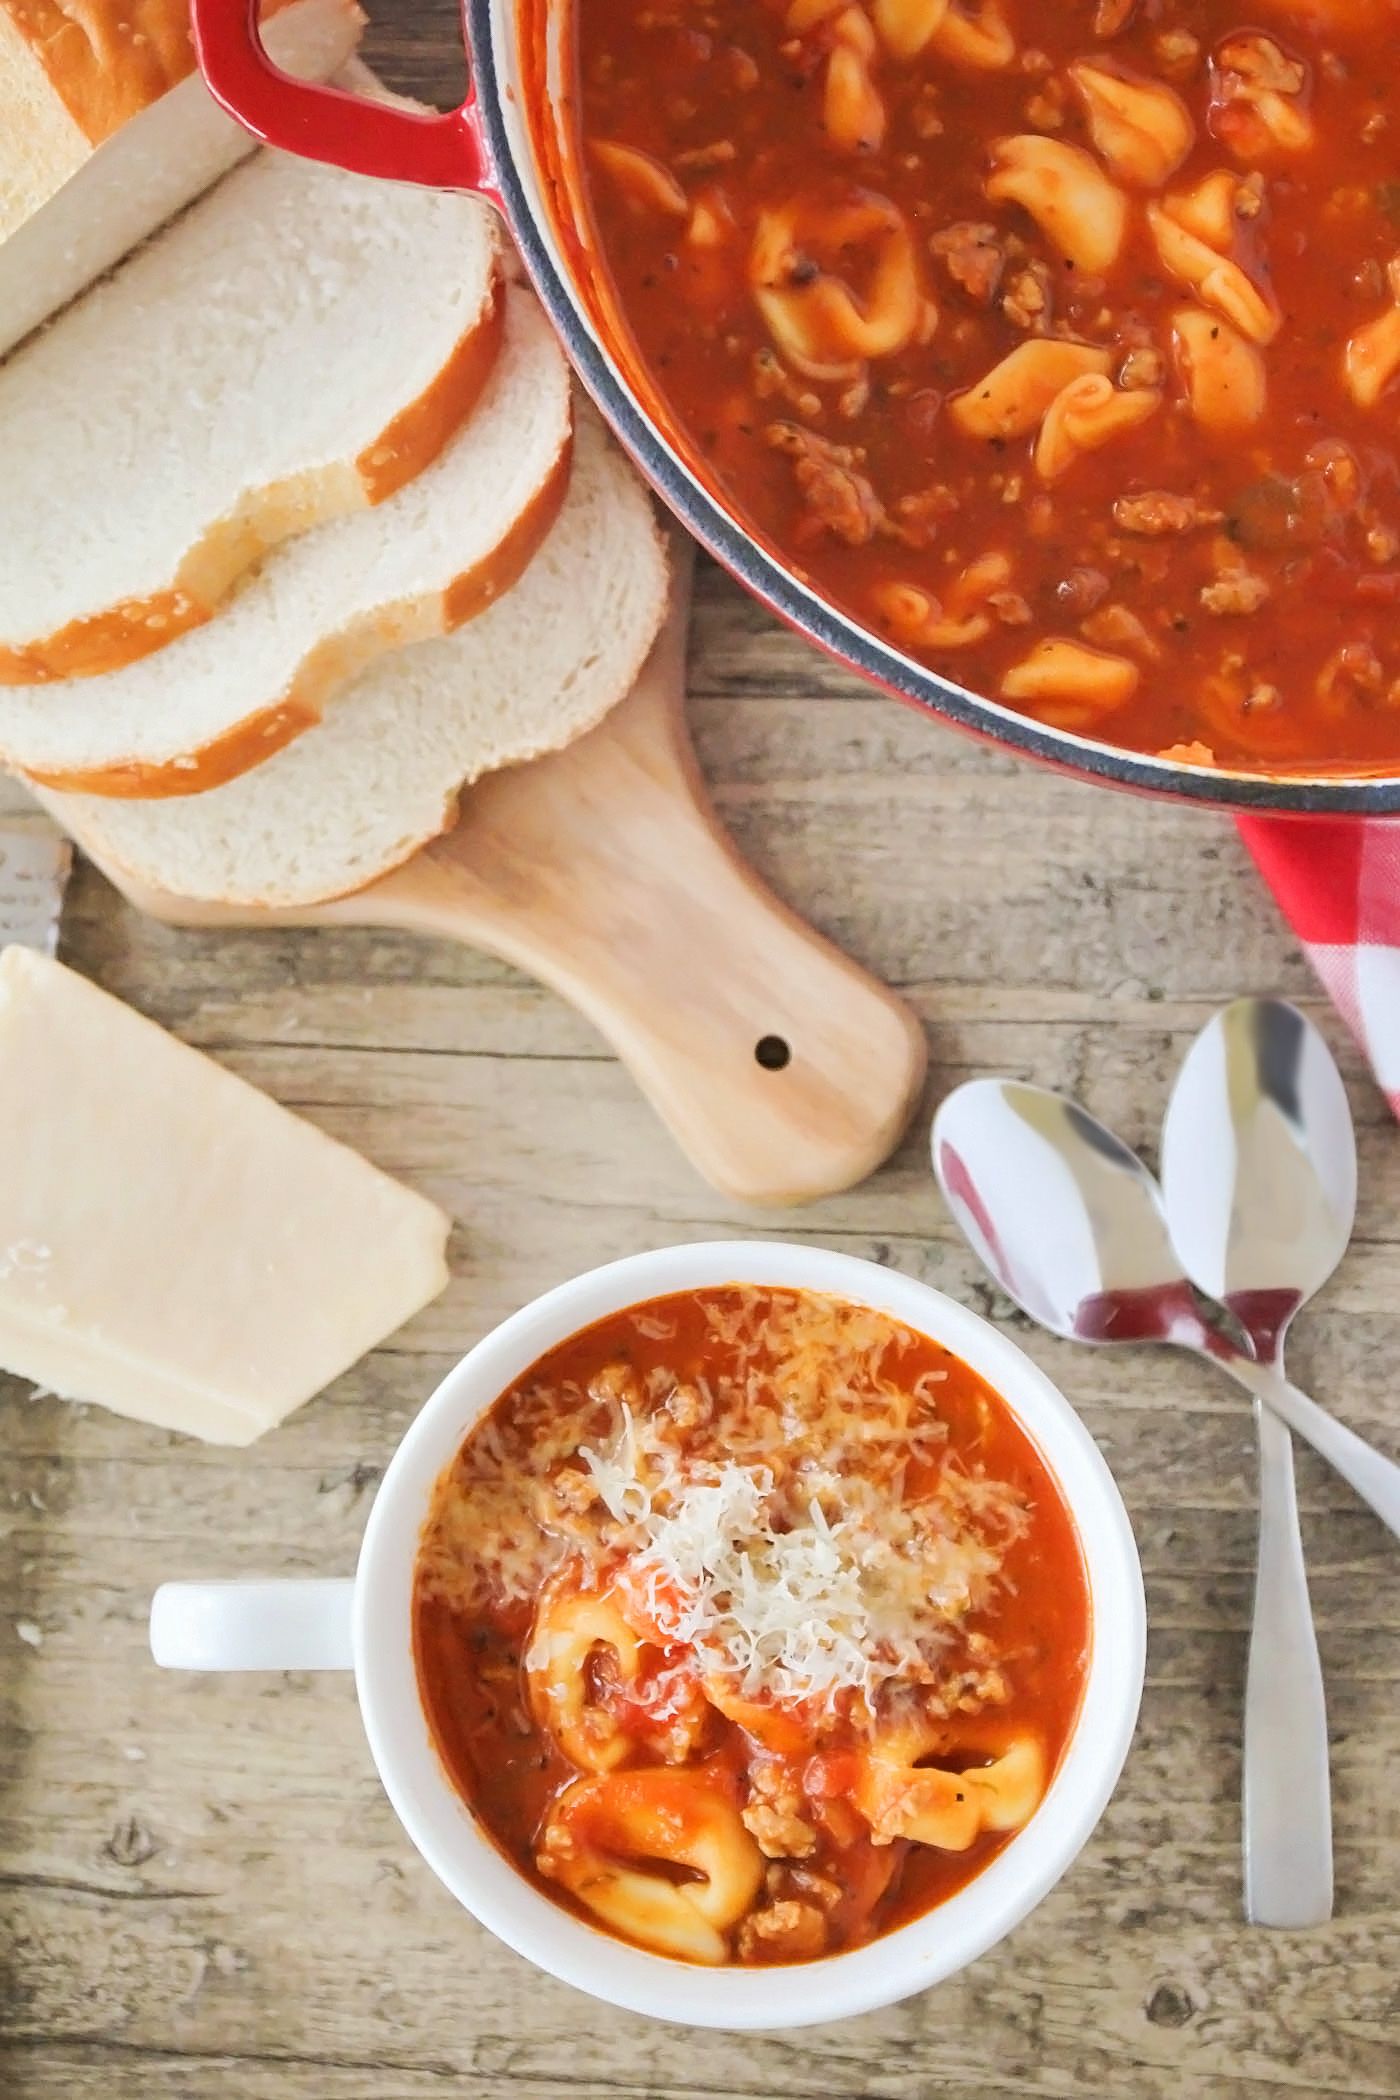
(338, 660)
(109, 59)
(106, 61)
(223, 697)
(384, 774)
(73, 73)
(137, 627)
(293, 388)
(70, 207)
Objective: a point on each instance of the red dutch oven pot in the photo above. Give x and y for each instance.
(507, 143)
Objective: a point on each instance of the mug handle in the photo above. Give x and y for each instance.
(443, 150)
(253, 1626)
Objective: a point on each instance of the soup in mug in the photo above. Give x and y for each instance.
(750, 1624)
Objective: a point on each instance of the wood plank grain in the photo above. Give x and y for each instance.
(202, 1889)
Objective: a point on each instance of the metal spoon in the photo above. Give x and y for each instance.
(1259, 1184)
(1071, 1225)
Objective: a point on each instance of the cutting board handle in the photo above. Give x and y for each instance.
(783, 1070)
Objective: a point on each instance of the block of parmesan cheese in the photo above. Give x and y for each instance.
(174, 1244)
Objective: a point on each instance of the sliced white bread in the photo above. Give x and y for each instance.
(381, 776)
(297, 346)
(109, 131)
(224, 696)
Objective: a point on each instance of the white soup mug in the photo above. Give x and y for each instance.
(366, 1625)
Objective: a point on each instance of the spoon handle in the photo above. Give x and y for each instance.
(1375, 1478)
(1287, 1806)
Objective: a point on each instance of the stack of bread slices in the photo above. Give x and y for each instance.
(303, 531)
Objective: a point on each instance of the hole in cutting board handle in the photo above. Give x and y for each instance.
(772, 1053)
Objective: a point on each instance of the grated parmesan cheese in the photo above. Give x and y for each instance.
(793, 1518)
(789, 1603)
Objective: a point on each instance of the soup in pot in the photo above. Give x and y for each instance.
(750, 1624)
(1058, 345)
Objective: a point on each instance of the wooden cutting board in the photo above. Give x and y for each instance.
(783, 1071)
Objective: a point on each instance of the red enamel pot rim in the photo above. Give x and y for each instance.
(477, 148)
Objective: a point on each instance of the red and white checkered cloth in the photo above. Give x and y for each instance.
(1337, 882)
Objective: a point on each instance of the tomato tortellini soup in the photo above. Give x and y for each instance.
(1057, 344)
(750, 1624)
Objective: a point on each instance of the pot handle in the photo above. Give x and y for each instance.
(444, 150)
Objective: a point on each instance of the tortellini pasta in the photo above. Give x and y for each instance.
(1069, 683)
(1211, 210)
(982, 41)
(906, 26)
(901, 1796)
(1015, 394)
(957, 619)
(1197, 260)
(1066, 192)
(1141, 128)
(1372, 356)
(646, 182)
(815, 317)
(855, 114)
(601, 1831)
(569, 1626)
(1089, 412)
(1225, 377)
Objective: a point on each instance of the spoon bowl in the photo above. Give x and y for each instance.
(1259, 1165)
(1066, 1217)
(1073, 1226)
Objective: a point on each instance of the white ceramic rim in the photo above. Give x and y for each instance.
(483, 1880)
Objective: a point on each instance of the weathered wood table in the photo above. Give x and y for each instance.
(202, 1889)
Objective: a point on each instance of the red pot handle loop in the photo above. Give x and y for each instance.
(445, 152)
